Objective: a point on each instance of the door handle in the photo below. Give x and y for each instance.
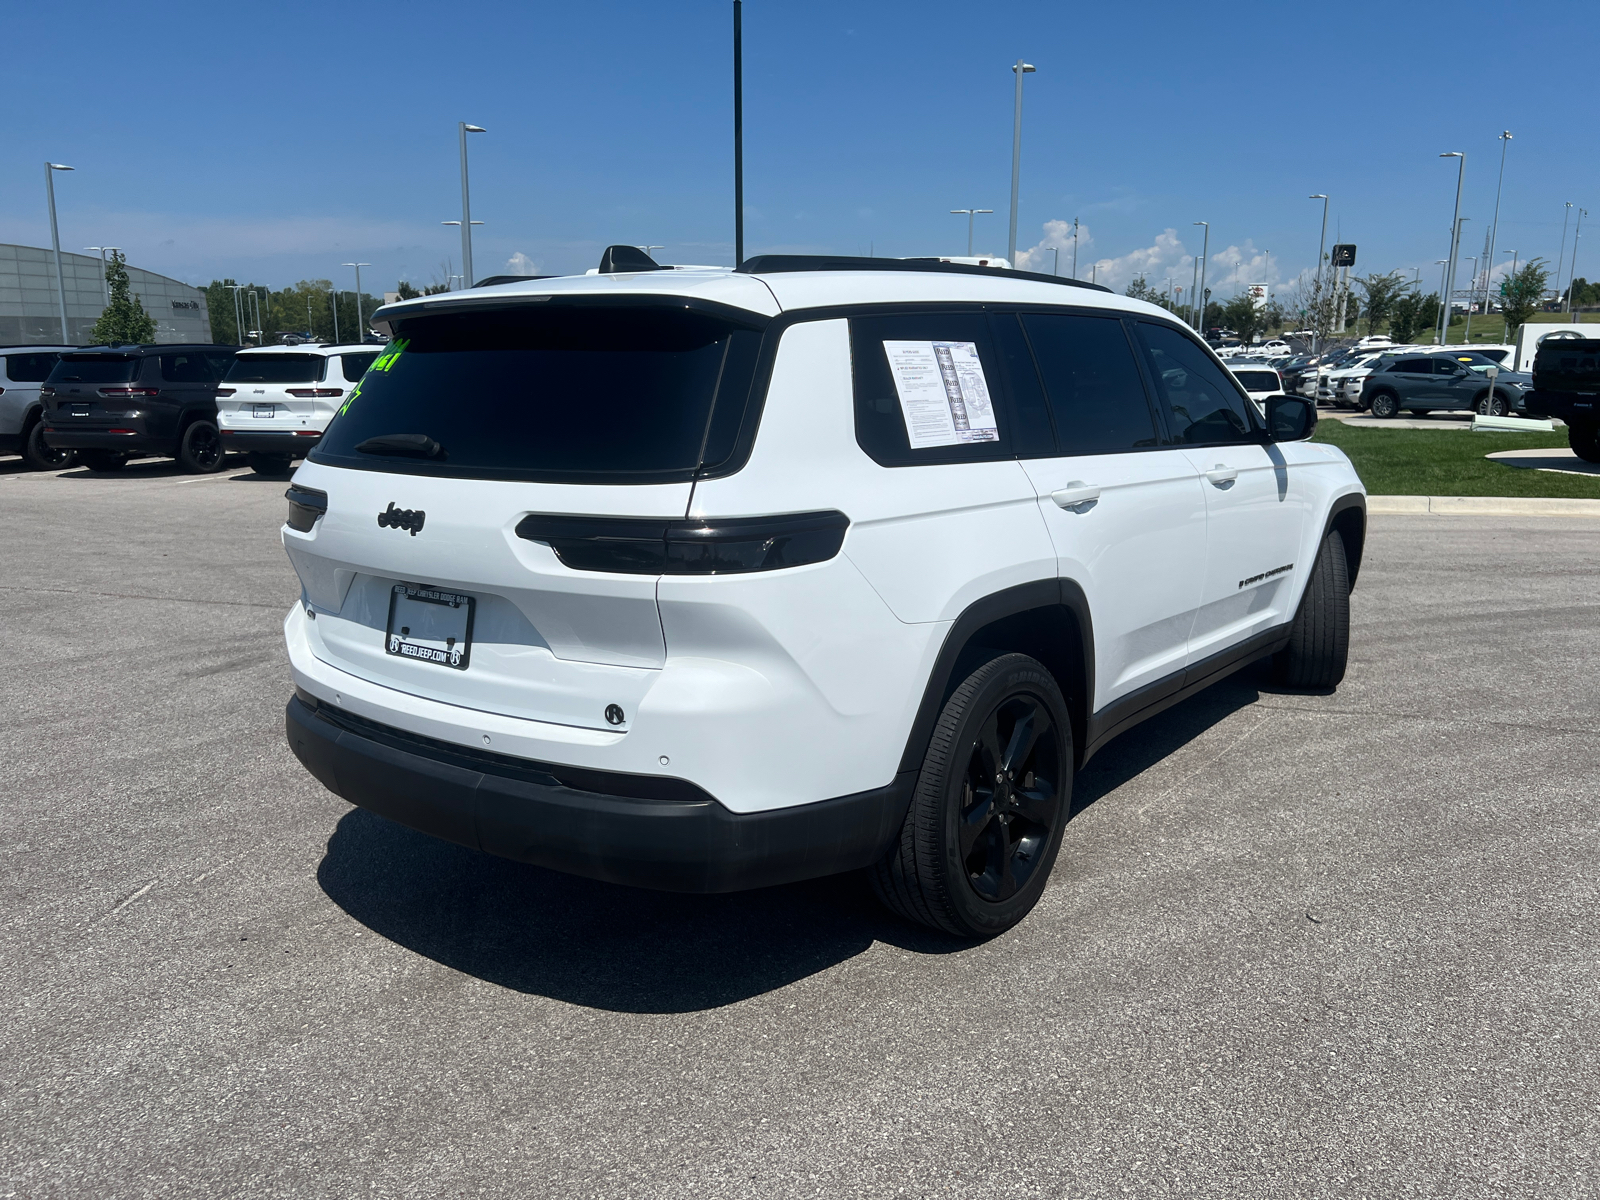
(1221, 476)
(1075, 493)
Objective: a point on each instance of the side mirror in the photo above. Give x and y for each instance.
(1290, 418)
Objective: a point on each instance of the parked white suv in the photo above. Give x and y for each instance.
(275, 402)
(707, 580)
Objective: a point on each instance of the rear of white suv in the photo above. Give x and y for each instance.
(710, 580)
(275, 402)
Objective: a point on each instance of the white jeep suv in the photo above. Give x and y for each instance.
(713, 579)
(275, 402)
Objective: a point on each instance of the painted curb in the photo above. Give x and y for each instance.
(1482, 506)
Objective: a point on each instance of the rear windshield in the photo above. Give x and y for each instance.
(1258, 381)
(95, 368)
(276, 368)
(565, 392)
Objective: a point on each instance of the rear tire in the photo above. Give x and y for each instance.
(1491, 406)
(104, 461)
(200, 448)
(1319, 639)
(1585, 441)
(991, 801)
(1385, 405)
(40, 455)
(269, 464)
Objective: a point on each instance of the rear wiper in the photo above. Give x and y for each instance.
(419, 445)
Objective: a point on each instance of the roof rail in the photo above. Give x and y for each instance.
(777, 264)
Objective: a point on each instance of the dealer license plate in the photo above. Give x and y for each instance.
(262, 410)
(430, 625)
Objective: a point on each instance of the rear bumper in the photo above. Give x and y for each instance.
(1568, 406)
(244, 441)
(680, 839)
(68, 438)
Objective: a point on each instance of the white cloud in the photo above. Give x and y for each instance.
(520, 264)
(1227, 270)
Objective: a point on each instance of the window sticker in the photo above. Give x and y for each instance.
(944, 396)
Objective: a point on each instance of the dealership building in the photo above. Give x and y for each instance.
(30, 314)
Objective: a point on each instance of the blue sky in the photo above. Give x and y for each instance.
(277, 142)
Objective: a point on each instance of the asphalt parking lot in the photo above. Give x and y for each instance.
(1311, 946)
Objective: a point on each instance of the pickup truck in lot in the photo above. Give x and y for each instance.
(1566, 384)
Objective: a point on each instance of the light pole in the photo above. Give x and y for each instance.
(1471, 300)
(1494, 228)
(1020, 69)
(1455, 243)
(1443, 265)
(466, 212)
(238, 319)
(1194, 286)
(1205, 250)
(361, 328)
(1562, 257)
(103, 252)
(333, 306)
(463, 243)
(1316, 324)
(647, 249)
(1074, 247)
(55, 241)
(1572, 275)
(738, 135)
(1055, 267)
(969, 213)
(1506, 326)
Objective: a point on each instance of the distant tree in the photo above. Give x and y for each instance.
(1140, 289)
(1274, 315)
(1583, 293)
(433, 289)
(1243, 317)
(1405, 315)
(1380, 293)
(1520, 293)
(405, 291)
(124, 320)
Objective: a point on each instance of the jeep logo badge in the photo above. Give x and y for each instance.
(402, 518)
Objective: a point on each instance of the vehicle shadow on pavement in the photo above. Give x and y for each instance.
(624, 949)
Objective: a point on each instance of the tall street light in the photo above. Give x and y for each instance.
(361, 326)
(738, 134)
(238, 320)
(1455, 244)
(1494, 228)
(1444, 266)
(969, 213)
(1020, 69)
(1562, 257)
(466, 213)
(1074, 247)
(463, 238)
(333, 306)
(55, 241)
(1471, 300)
(1316, 321)
(1205, 250)
(1572, 275)
(104, 250)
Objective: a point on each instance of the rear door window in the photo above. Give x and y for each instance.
(29, 368)
(277, 368)
(927, 389)
(355, 365)
(95, 368)
(559, 392)
(1203, 403)
(193, 367)
(1092, 380)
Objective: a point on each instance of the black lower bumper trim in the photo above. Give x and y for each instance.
(244, 440)
(103, 439)
(693, 844)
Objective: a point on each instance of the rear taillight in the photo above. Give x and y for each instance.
(305, 506)
(122, 392)
(719, 546)
(226, 391)
(307, 393)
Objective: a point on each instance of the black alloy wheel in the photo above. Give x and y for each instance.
(1385, 405)
(991, 803)
(39, 454)
(1011, 797)
(200, 449)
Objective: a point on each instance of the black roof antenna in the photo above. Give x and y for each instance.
(620, 259)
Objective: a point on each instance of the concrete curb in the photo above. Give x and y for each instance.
(1483, 506)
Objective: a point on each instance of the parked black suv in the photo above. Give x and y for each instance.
(113, 403)
(1566, 384)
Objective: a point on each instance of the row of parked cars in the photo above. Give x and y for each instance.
(99, 406)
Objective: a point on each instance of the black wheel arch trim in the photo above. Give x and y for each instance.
(1348, 514)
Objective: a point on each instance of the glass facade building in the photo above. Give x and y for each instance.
(29, 314)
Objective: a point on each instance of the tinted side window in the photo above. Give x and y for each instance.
(355, 365)
(219, 364)
(1443, 366)
(1412, 366)
(1034, 435)
(927, 389)
(29, 368)
(186, 368)
(1204, 405)
(1092, 379)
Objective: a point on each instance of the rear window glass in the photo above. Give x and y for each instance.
(193, 367)
(1258, 381)
(29, 368)
(95, 369)
(276, 368)
(565, 392)
(355, 365)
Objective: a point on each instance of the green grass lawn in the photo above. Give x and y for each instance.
(1450, 462)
